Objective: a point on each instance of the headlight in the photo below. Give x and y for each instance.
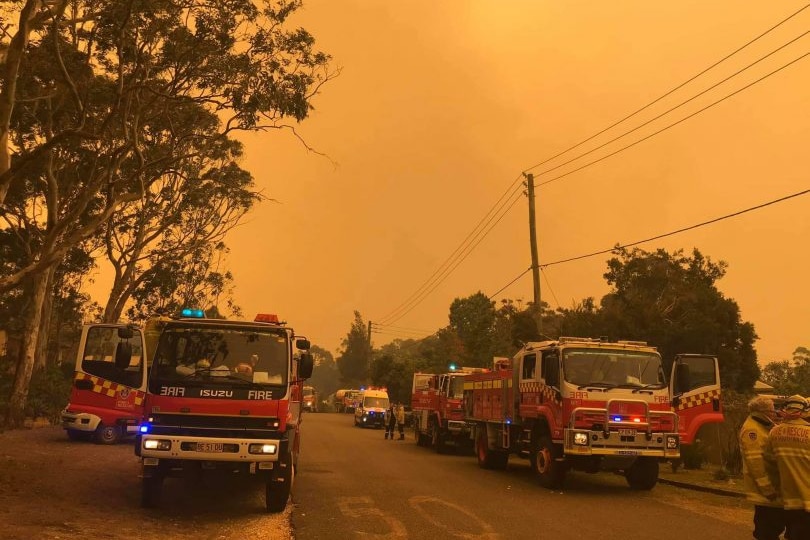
(262, 448)
(581, 439)
(157, 444)
(672, 442)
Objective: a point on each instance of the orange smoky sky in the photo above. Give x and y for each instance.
(441, 105)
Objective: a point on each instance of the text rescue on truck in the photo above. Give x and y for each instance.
(590, 405)
(224, 395)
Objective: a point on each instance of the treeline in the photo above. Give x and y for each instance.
(117, 144)
(669, 300)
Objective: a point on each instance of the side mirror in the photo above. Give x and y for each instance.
(305, 365)
(302, 344)
(123, 354)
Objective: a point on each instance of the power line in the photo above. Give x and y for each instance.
(373, 324)
(653, 134)
(475, 231)
(653, 102)
(671, 233)
(681, 104)
(420, 298)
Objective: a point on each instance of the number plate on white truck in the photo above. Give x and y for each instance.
(210, 447)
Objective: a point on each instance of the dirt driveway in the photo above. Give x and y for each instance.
(53, 488)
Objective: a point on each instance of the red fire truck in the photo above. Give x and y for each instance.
(588, 404)
(224, 395)
(438, 416)
(109, 384)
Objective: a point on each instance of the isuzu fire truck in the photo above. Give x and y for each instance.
(109, 384)
(226, 396)
(590, 405)
(438, 416)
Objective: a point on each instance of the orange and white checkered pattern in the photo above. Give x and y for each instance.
(546, 391)
(704, 398)
(111, 389)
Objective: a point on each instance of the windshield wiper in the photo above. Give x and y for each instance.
(605, 385)
(649, 387)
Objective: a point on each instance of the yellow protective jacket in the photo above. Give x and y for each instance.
(760, 475)
(789, 444)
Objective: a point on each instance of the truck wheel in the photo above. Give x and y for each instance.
(643, 474)
(151, 487)
(277, 491)
(107, 434)
(487, 458)
(549, 472)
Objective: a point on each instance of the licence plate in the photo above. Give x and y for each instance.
(210, 447)
(627, 432)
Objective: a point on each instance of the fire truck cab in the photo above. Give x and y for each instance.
(109, 384)
(586, 404)
(438, 416)
(224, 395)
(310, 399)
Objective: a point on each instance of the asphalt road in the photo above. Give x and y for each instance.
(352, 483)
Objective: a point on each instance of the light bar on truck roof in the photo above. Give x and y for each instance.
(193, 313)
(266, 318)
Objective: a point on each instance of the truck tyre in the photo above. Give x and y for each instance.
(643, 474)
(151, 487)
(107, 434)
(487, 458)
(277, 491)
(549, 472)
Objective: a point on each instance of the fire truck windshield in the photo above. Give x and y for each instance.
(221, 355)
(609, 368)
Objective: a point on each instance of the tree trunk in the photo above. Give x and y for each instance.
(15, 415)
(41, 355)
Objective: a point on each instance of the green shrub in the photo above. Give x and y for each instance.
(48, 392)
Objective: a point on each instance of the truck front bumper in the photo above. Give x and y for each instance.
(583, 442)
(155, 447)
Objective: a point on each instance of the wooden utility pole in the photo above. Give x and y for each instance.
(533, 241)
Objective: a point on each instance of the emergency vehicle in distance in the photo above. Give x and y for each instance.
(371, 406)
(224, 395)
(346, 400)
(590, 405)
(437, 414)
(109, 384)
(310, 399)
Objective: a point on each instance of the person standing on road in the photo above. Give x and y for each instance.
(390, 420)
(761, 477)
(789, 445)
(400, 416)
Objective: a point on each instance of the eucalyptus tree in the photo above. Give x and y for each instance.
(96, 99)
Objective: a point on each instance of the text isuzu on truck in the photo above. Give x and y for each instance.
(109, 384)
(590, 405)
(224, 395)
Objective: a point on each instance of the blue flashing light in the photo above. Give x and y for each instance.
(144, 429)
(452, 367)
(508, 420)
(193, 313)
(617, 418)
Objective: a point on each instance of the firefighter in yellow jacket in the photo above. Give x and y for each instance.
(789, 445)
(761, 477)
